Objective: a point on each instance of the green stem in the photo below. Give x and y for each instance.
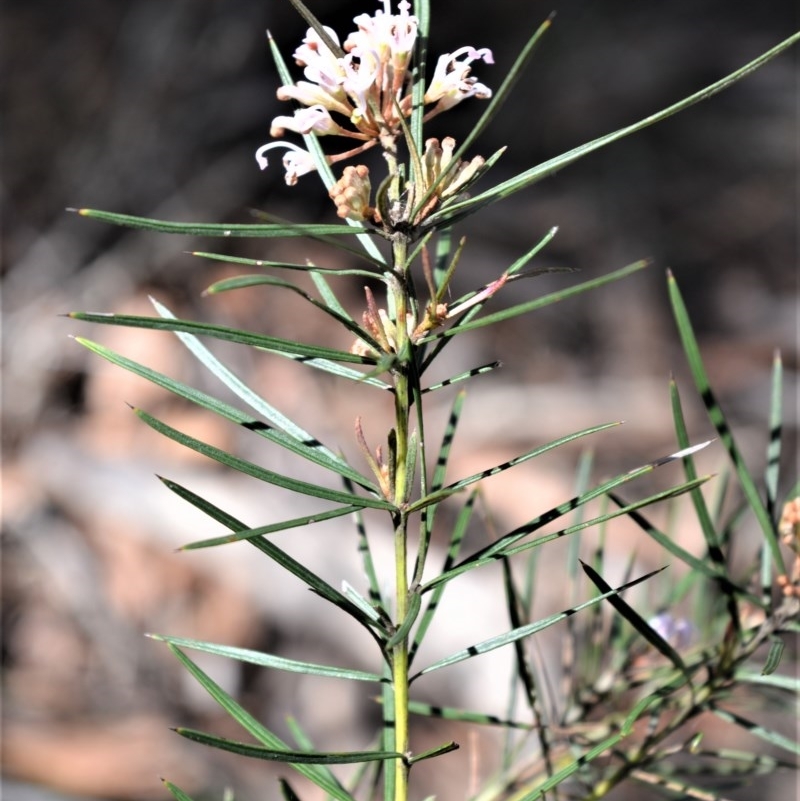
(402, 493)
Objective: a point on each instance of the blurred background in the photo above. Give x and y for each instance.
(156, 109)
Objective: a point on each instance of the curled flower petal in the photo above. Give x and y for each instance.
(296, 161)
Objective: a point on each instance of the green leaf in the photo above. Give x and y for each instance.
(772, 472)
(442, 274)
(221, 332)
(776, 647)
(434, 752)
(762, 732)
(268, 660)
(314, 452)
(248, 281)
(789, 684)
(422, 11)
(439, 472)
(636, 620)
(287, 791)
(538, 303)
(339, 370)
(719, 422)
(176, 791)
(716, 573)
(260, 531)
(502, 547)
(292, 757)
(282, 265)
(526, 631)
(220, 229)
(414, 604)
(486, 368)
(260, 473)
(318, 585)
(457, 535)
(463, 715)
(573, 767)
(452, 214)
(493, 471)
(257, 730)
(253, 399)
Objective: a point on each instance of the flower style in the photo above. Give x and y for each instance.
(361, 89)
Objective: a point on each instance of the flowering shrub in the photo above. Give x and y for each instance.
(637, 689)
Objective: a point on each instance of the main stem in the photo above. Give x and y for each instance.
(402, 494)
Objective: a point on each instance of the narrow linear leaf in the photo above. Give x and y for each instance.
(281, 265)
(502, 547)
(261, 341)
(362, 603)
(673, 785)
(414, 604)
(719, 422)
(701, 509)
(434, 752)
(437, 482)
(335, 311)
(772, 471)
(375, 595)
(457, 534)
(260, 473)
(709, 571)
(538, 303)
(241, 390)
(292, 757)
(556, 443)
(220, 229)
(287, 791)
(486, 368)
(317, 584)
(529, 177)
(268, 660)
(762, 732)
(257, 730)
(308, 448)
(601, 519)
(262, 531)
(776, 648)
(526, 631)
(176, 791)
(464, 716)
(340, 370)
(573, 767)
(636, 620)
(788, 683)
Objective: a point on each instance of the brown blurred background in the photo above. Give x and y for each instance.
(156, 109)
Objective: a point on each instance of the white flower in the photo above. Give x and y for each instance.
(315, 119)
(451, 82)
(321, 65)
(296, 161)
(392, 36)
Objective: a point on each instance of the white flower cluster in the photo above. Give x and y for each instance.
(361, 89)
